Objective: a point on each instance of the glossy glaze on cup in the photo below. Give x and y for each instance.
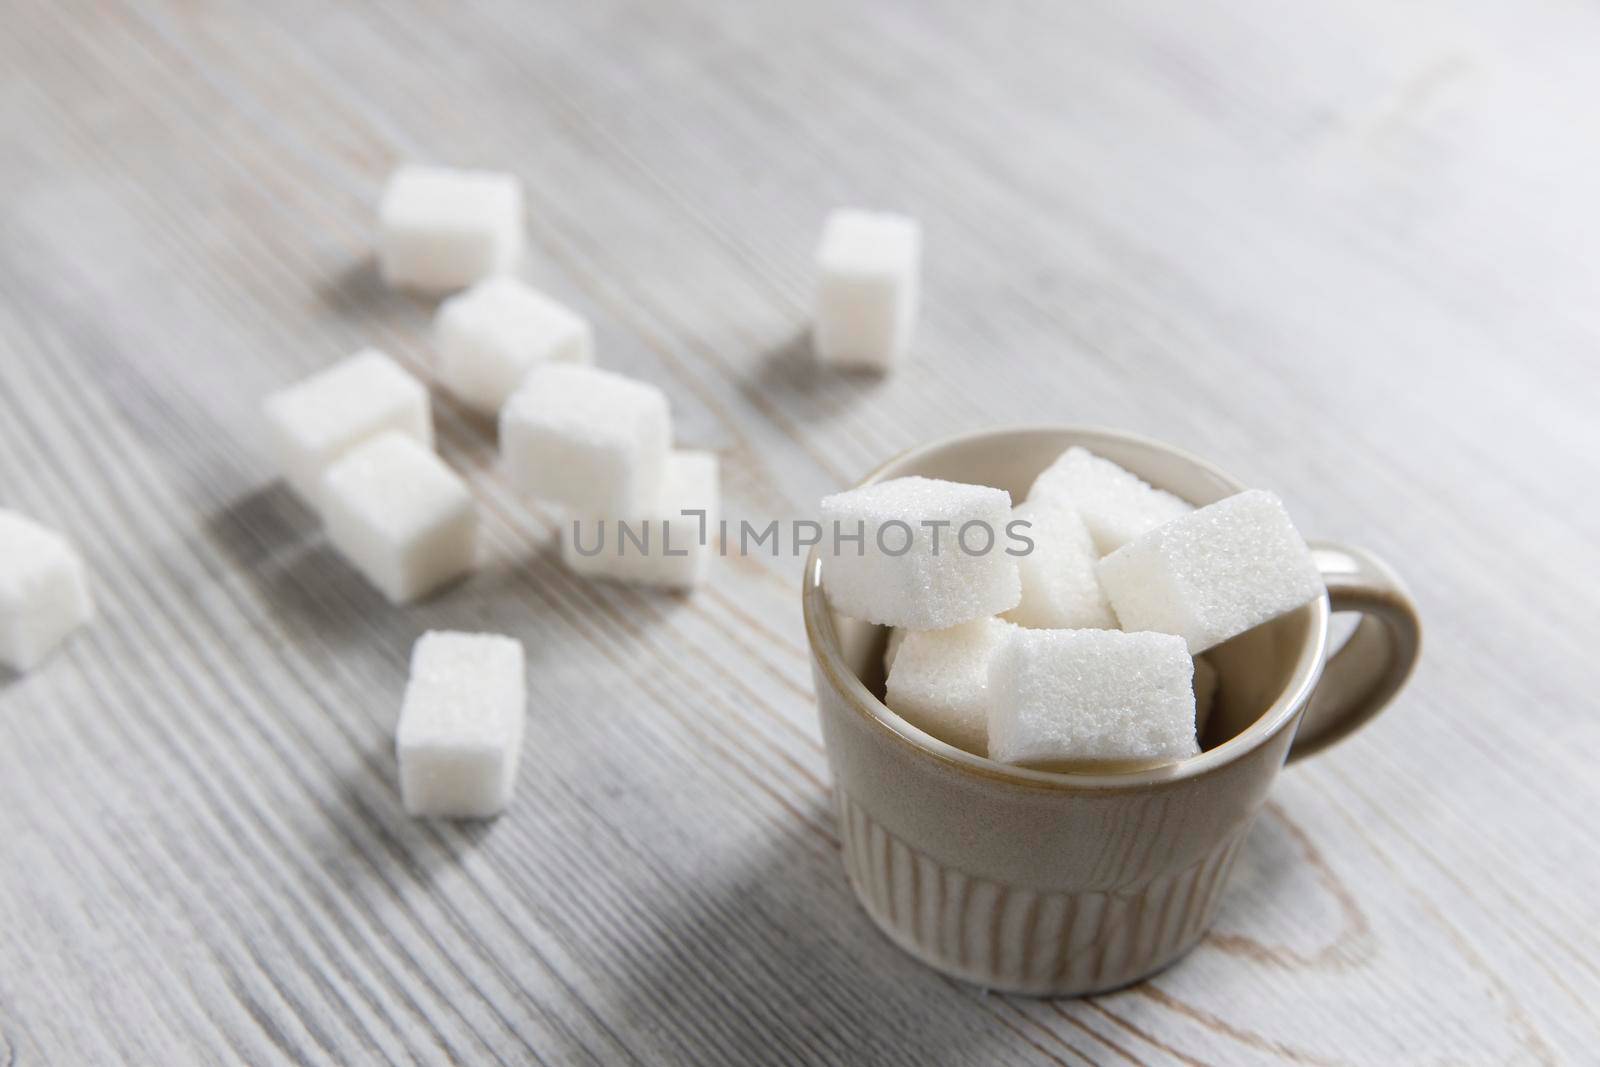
(1064, 884)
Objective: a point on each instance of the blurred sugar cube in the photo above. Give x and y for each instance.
(669, 545)
(399, 516)
(441, 228)
(592, 440)
(318, 419)
(486, 340)
(869, 267)
(44, 591)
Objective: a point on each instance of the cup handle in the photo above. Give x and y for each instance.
(1364, 675)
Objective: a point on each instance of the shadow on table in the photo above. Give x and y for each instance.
(766, 956)
(359, 292)
(273, 539)
(791, 370)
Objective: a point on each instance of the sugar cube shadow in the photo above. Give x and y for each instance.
(775, 944)
(278, 543)
(792, 370)
(359, 292)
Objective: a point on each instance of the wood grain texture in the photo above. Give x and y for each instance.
(1346, 251)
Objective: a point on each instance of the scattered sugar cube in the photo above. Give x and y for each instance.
(441, 229)
(1213, 573)
(486, 339)
(1205, 693)
(400, 516)
(315, 421)
(44, 591)
(1116, 505)
(869, 265)
(592, 440)
(667, 546)
(1065, 697)
(891, 648)
(1059, 587)
(940, 681)
(894, 553)
(460, 733)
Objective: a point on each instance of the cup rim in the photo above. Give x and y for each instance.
(825, 651)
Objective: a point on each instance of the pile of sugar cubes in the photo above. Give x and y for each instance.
(355, 442)
(1071, 642)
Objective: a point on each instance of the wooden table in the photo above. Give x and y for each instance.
(1347, 251)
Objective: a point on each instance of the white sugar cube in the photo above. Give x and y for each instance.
(592, 440)
(868, 265)
(1213, 573)
(441, 229)
(940, 681)
(460, 733)
(1206, 681)
(1059, 587)
(1060, 698)
(44, 591)
(919, 552)
(1116, 505)
(487, 339)
(400, 516)
(670, 546)
(318, 419)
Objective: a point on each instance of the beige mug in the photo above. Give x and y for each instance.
(1065, 884)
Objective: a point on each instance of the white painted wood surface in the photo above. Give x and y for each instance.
(1347, 251)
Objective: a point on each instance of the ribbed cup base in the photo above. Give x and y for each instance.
(1021, 939)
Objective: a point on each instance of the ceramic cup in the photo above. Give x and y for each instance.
(1064, 884)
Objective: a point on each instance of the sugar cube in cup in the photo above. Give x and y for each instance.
(1059, 588)
(868, 266)
(318, 419)
(459, 737)
(1116, 505)
(1213, 573)
(669, 545)
(592, 440)
(486, 340)
(441, 228)
(399, 516)
(44, 591)
(921, 553)
(939, 681)
(1060, 699)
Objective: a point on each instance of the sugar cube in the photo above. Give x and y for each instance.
(891, 648)
(868, 265)
(1116, 505)
(315, 421)
(487, 338)
(400, 516)
(1059, 587)
(940, 681)
(44, 591)
(670, 545)
(440, 228)
(460, 732)
(1060, 698)
(1213, 573)
(1206, 681)
(587, 438)
(919, 552)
